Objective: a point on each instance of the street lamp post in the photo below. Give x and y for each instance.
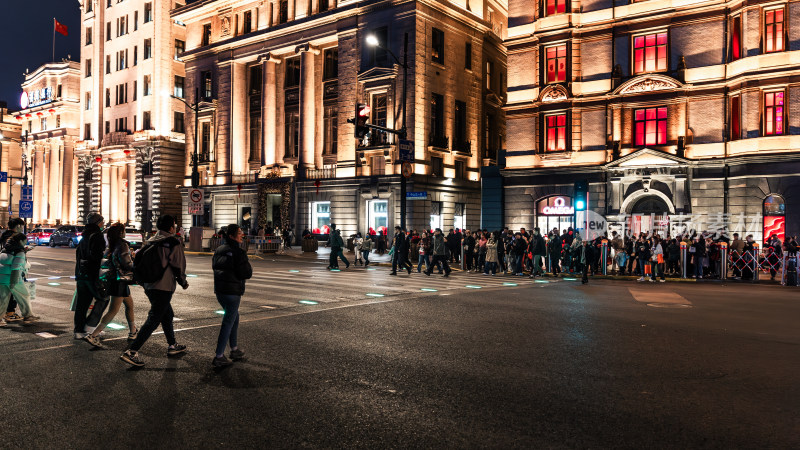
(372, 40)
(195, 157)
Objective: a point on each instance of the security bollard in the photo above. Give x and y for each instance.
(723, 257)
(756, 267)
(684, 258)
(783, 270)
(463, 266)
(604, 255)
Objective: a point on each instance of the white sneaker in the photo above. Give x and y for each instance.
(662, 281)
(3, 323)
(640, 279)
(80, 336)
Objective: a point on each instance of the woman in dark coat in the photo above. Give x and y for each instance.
(231, 269)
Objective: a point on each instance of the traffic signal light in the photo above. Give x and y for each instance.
(362, 116)
(581, 195)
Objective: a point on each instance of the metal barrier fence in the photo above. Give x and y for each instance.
(253, 244)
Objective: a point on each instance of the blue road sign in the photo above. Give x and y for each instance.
(3, 177)
(27, 192)
(406, 150)
(417, 195)
(26, 209)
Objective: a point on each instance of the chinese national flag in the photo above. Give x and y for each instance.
(60, 28)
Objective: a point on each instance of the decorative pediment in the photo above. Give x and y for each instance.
(377, 73)
(648, 83)
(554, 93)
(647, 157)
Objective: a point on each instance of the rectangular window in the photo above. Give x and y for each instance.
(206, 40)
(135, 55)
(556, 132)
(468, 56)
(177, 122)
(108, 64)
(437, 166)
(58, 91)
(735, 50)
(650, 126)
(206, 84)
(135, 89)
(379, 115)
(377, 165)
(180, 82)
(437, 117)
(488, 74)
(148, 12)
(87, 130)
(88, 68)
(437, 46)
(555, 7)
(58, 121)
(292, 136)
(331, 65)
(107, 127)
(320, 217)
(254, 104)
(148, 49)
(147, 86)
(378, 56)
(460, 129)
(323, 5)
(650, 53)
(331, 119)
(292, 72)
(108, 31)
(736, 117)
(205, 142)
(773, 113)
(135, 20)
(556, 61)
(283, 15)
(180, 47)
(378, 217)
(88, 35)
(773, 30)
(146, 125)
(461, 170)
(248, 22)
(108, 97)
(460, 216)
(89, 7)
(88, 101)
(43, 124)
(436, 215)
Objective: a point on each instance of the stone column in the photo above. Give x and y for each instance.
(131, 191)
(68, 180)
(307, 108)
(39, 194)
(73, 204)
(239, 144)
(55, 179)
(115, 194)
(270, 111)
(105, 191)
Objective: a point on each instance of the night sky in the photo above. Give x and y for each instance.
(28, 40)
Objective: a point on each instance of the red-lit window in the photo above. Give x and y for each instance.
(736, 118)
(773, 30)
(650, 53)
(735, 50)
(650, 126)
(555, 7)
(556, 132)
(773, 113)
(556, 60)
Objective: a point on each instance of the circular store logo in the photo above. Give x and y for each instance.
(23, 100)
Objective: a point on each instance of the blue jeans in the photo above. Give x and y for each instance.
(698, 266)
(365, 255)
(490, 266)
(230, 321)
(518, 264)
(423, 259)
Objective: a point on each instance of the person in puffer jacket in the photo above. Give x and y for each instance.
(13, 266)
(231, 269)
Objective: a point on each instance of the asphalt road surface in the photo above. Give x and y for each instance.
(358, 359)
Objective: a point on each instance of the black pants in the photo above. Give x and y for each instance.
(160, 313)
(85, 296)
(439, 259)
(400, 258)
(12, 305)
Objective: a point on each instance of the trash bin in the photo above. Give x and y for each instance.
(310, 245)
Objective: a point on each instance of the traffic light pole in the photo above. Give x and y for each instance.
(403, 134)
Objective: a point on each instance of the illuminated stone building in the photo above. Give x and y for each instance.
(673, 112)
(49, 117)
(131, 152)
(277, 81)
(10, 162)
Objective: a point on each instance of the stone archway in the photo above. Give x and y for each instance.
(633, 199)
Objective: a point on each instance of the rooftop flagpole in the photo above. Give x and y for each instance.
(54, 39)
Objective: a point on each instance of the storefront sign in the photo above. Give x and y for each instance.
(556, 206)
(36, 98)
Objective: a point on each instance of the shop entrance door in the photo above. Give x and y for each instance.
(649, 214)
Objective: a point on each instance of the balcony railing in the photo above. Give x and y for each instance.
(317, 174)
(376, 138)
(439, 141)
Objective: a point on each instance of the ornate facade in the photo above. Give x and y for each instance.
(276, 82)
(131, 149)
(672, 113)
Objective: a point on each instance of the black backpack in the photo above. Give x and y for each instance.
(147, 266)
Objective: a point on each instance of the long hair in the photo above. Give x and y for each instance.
(115, 235)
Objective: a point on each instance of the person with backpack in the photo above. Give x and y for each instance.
(119, 257)
(159, 267)
(231, 268)
(13, 265)
(88, 256)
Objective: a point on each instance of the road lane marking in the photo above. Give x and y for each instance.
(652, 297)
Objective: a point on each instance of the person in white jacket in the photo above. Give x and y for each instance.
(13, 267)
(657, 260)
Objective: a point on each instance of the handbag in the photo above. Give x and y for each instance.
(31, 287)
(660, 259)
